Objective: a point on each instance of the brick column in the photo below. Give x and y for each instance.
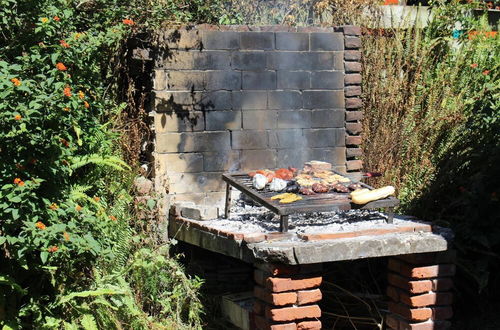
(286, 297)
(352, 93)
(419, 288)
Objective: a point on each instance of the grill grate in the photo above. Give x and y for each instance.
(327, 202)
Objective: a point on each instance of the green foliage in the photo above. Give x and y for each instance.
(68, 242)
(432, 125)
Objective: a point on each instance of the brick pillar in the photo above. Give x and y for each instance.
(286, 297)
(352, 93)
(419, 289)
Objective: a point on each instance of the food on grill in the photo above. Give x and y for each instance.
(290, 199)
(340, 188)
(320, 188)
(305, 180)
(280, 196)
(316, 165)
(259, 181)
(277, 185)
(294, 188)
(359, 191)
(284, 174)
(372, 195)
(306, 191)
(355, 186)
(252, 174)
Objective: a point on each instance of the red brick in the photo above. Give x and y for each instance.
(442, 284)
(427, 299)
(352, 66)
(420, 272)
(442, 313)
(293, 313)
(260, 277)
(412, 287)
(353, 140)
(392, 293)
(263, 324)
(432, 258)
(353, 165)
(276, 299)
(392, 322)
(308, 296)
(353, 115)
(276, 284)
(280, 269)
(353, 103)
(254, 237)
(309, 325)
(413, 314)
(366, 232)
(352, 79)
(427, 325)
(354, 128)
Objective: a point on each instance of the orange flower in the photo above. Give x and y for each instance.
(67, 91)
(486, 72)
(53, 249)
(20, 184)
(66, 109)
(112, 217)
(81, 95)
(18, 117)
(61, 67)
(128, 22)
(97, 199)
(44, 19)
(17, 180)
(16, 81)
(64, 142)
(56, 18)
(473, 65)
(64, 44)
(86, 104)
(53, 206)
(78, 208)
(40, 225)
(66, 236)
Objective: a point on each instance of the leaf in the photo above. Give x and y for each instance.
(70, 326)
(43, 256)
(151, 203)
(7, 280)
(54, 57)
(88, 322)
(89, 293)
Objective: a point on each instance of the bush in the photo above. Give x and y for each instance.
(71, 254)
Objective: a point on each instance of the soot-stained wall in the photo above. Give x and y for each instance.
(236, 98)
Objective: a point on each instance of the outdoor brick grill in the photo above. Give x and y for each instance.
(237, 98)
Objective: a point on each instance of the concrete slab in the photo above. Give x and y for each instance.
(295, 251)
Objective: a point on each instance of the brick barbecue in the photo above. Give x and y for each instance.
(230, 99)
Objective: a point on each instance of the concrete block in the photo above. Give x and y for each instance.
(182, 183)
(288, 61)
(292, 41)
(335, 155)
(228, 80)
(223, 120)
(249, 60)
(191, 142)
(186, 81)
(198, 212)
(189, 60)
(159, 80)
(257, 40)
(213, 40)
(171, 102)
(327, 118)
(328, 137)
(294, 119)
(327, 41)
(286, 100)
(293, 79)
(256, 100)
(323, 60)
(181, 39)
(216, 100)
(327, 80)
(293, 157)
(286, 138)
(180, 162)
(259, 80)
(221, 161)
(323, 99)
(179, 122)
(249, 139)
(258, 159)
(260, 119)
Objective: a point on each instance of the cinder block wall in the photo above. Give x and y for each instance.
(236, 98)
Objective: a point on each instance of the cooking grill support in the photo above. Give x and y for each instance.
(322, 203)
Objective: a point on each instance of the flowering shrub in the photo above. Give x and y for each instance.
(65, 236)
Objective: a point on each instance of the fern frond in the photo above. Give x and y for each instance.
(98, 160)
